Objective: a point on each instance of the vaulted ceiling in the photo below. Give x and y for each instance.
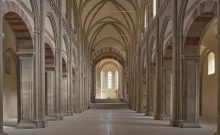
(110, 26)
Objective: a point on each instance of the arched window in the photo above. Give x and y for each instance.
(145, 18)
(154, 8)
(116, 79)
(211, 63)
(102, 80)
(109, 80)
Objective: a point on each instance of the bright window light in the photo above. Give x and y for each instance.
(211, 63)
(154, 8)
(109, 80)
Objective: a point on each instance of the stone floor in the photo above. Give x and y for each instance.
(113, 122)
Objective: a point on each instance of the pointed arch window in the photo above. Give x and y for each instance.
(102, 80)
(116, 79)
(109, 80)
(211, 63)
(154, 8)
(145, 18)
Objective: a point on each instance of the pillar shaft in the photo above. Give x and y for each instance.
(58, 67)
(69, 83)
(1, 72)
(50, 93)
(40, 71)
(176, 111)
(158, 111)
(148, 83)
(139, 82)
(26, 109)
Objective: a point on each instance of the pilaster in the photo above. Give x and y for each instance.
(26, 111)
(190, 90)
(1, 72)
(50, 94)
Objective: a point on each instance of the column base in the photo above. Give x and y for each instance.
(190, 125)
(138, 110)
(51, 118)
(59, 117)
(42, 123)
(183, 124)
(68, 114)
(133, 108)
(149, 114)
(176, 123)
(78, 111)
(158, 117)
(26, 125)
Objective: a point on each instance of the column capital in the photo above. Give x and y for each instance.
(25, 54)
(50, 68)
(76, 69)
(187, 57)
(166, 68)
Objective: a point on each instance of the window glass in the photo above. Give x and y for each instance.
(211, 63)
(109, 80)
(154, 7)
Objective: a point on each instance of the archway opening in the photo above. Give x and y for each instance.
(200, 84)
(18, 56)
(109, 80)
(208, 76)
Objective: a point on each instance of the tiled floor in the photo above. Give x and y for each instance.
(112, 122)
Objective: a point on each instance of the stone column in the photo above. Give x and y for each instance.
(39, 90)
(58, 67)
(93, 92)
(69, 83)
(1, 72)
(144, 91)
(218, 68)
(158, 111)
(190, 91)
(148, 82)
(58, 61)
(176, 105)
(26, 103)
(77, 90)
(50, 93)
(167, 91)
(153, 89)
(134, 91)
(64, 93)
(74, 94)
(140, 82)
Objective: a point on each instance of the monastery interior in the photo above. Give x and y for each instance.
(110, 67)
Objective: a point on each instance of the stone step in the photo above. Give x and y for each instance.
(108, 106)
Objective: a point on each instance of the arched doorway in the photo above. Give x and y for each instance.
(18, 78)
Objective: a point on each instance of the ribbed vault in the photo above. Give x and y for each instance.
(110, 24)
